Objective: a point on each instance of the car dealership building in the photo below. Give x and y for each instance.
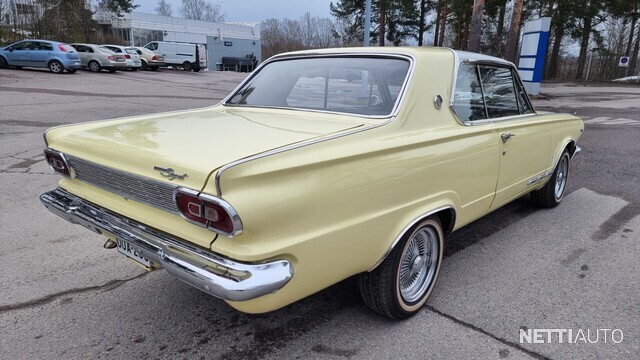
(228, 40)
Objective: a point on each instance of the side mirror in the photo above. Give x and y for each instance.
(10, 49)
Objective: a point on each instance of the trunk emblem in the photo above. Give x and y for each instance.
(169, 173)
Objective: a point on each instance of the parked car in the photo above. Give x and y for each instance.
(150, 60)
(305, 176)
(130, 57)
(96, 58)
(187, 56)
(55, 56)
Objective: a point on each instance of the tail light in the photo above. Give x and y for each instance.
(61, 48)
(110, 57)
(59, 163)
(127, 56)
(208, 211)
(154, 58)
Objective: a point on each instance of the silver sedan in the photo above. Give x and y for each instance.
(96, 58)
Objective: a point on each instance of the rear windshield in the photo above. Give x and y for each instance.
(132, 51)
(356, 85)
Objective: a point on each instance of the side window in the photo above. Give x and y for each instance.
(152, 46)
(468, 102)
(499, 91)
(45, 46)
(25, 45)
(523, 100)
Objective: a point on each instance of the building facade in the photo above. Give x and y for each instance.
(238, 40)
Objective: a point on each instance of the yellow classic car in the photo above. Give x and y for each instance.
(321, 165)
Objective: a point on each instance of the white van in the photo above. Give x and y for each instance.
(188, 56)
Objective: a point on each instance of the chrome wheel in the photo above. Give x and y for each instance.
(418, 264)
(561, 177)
(94, 66)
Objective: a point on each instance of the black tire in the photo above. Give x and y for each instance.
(196, 69)
(112, 70)
(56, 67)
(187, 66)
(551, 194)
(402, 283)
(134, 69)
(72, 70)
(19, 67)
(94, 66)
(154, 68)
(143, 65)
(3, 63)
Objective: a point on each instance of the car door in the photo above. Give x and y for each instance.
(83, 53)
(41, 52)
(524, 136)
(19, 54)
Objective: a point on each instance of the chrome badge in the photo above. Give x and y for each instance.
(169, 173)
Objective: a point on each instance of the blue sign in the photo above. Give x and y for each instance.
(533, 53)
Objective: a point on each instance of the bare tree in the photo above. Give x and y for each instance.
(201, 10)
(164, 8)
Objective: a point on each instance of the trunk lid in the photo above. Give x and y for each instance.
(194, 142)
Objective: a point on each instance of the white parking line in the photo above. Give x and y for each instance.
(605, 120)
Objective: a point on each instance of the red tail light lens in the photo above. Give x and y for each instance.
(59, 163)
(61, 48)
(110, 57)
(208, 211)
(127, 56)
(154, 58)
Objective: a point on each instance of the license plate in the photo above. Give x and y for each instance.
(132, 252)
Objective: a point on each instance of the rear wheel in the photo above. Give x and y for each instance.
(3, 63)
(187, 66)
(144, 65)
(551, 194)
(56, 67)
(401, 285)
(94, 66)
(154, 68)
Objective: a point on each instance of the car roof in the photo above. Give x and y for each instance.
(461, 56)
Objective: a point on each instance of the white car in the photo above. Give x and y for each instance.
(131, 57)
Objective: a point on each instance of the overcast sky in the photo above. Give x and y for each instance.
(252, 10)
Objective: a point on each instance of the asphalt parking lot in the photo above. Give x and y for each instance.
(519, 269)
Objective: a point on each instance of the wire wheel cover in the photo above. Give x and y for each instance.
(418, 264)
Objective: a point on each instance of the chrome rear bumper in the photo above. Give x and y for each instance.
(211, 273)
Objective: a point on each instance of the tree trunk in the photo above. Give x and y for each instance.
(634, 19)
(584, 46)
(382, 23)
(500, 30)
(634, 56)
(476, 25)
(558, 34)
(423, 10)
(437, 31)
(443, 23)
(514, 31)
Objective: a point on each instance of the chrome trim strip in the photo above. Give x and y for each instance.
(233, 214)
(408, 227)
(538, 178)
(209, 272)
(399, 102)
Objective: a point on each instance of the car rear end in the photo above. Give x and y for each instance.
(110, 60)
(67, 55)
(132, 55)
(152, 60)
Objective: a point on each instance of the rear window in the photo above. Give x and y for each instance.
(132, 51)
(356, 85)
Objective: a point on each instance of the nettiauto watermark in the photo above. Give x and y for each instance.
(570, 336)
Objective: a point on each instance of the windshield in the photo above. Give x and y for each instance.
(355, 84)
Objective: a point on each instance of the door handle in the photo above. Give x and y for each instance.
(506, 136)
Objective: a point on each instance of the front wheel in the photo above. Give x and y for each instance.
(56, 67)
(401, 285)
(551, 194)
